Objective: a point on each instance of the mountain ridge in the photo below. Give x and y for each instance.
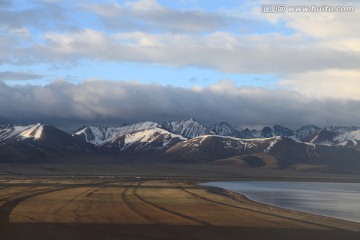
(309, 147)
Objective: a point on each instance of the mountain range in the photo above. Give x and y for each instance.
(309, 148)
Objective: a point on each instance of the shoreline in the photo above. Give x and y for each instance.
(327, 221)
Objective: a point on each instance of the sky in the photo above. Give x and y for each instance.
(74, 63)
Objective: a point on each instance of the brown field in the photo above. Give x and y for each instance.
(127, 206)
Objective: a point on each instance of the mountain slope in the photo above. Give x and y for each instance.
(98, 135)
(149, 140)
(308, 148)
(213, 147)
(306, 131)
(38, 143)
(224, 129)
(279, 152)
(19, 132)
(188, 128)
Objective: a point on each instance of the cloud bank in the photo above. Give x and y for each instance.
(69, 105)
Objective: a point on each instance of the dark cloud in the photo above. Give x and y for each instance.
(19, 76)
(111, 103)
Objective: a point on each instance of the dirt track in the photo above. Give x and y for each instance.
(149, 209)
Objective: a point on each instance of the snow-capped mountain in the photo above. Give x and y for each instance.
(276, 130)
(224, 129)
(214, 147)
(307, 148)
(341, 129)
(304, 132)
(188, 128)
(38, 143)
(20, 132)
(138, 137)
(344, 136)
(153, 139)
(283, 131)
(276, 152)
(98, 135)
(248, 133)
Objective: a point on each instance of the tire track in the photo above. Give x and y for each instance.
(133, 208)
(85, 206)
(8, 196)
(177, 214)
(8, 207)
(70, 200)
(6, 186)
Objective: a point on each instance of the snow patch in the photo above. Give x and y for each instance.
(98, 135)
(34, 132)
(272, 144)
(148, 136)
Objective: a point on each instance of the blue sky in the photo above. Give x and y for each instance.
(194, 46)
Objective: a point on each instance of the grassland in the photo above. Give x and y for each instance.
(149, 202)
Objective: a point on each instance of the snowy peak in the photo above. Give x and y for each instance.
(350, 135)
(98, 135)
(247, 133)
(94, 134)
(306, 131)
(189, 128)
(276, 130)
(34, 132)
(21, 132)
(335, 135)
(267, 132)
(153, 139)
(215, 147)
(224, 129)
(282, 131)
(341, 129)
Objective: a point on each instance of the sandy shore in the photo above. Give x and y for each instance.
(137, 208)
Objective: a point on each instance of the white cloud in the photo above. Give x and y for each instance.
(322, 26)
(151, 15)
(332, 83)
(321, 57)
(223, 51)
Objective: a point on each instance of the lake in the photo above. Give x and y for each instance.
(339, 200)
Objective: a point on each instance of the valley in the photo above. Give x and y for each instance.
(141, 181)
(149, 202)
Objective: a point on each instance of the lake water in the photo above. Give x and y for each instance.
(339, 200)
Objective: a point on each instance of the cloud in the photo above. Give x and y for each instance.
(272, 53)
(45, 15)
(105, 102)
(335, 83)
(338, 28)
(19, 76)
(150, 15)
(5, 3)
(316, 54)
